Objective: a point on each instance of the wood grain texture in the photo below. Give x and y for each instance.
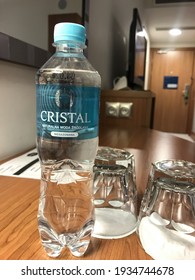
(19, 237)
(142, 108)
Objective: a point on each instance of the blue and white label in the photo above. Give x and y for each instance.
(67, 111)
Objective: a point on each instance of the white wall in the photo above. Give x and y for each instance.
(17, 108)
(26, 20)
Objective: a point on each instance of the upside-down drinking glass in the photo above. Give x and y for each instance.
(115, 194)
(166, 222)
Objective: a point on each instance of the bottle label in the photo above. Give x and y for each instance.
(70, 112)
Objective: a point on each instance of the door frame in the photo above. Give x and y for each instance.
(191, 109)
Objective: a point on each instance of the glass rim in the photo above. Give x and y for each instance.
(175, 168)
(112, 154)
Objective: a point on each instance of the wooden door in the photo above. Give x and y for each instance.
(54, 19)
(171, 108)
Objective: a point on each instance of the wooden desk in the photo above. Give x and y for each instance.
(19, 238)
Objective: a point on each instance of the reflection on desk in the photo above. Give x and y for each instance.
(19, 237)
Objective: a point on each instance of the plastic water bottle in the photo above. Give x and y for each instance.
(67, 91)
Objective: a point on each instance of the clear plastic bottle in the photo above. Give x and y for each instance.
(67, 89)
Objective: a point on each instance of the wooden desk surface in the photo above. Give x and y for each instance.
(19, 238)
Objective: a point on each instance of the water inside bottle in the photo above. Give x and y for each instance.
(66, 213)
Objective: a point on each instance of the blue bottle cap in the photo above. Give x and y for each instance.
(68, 31)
